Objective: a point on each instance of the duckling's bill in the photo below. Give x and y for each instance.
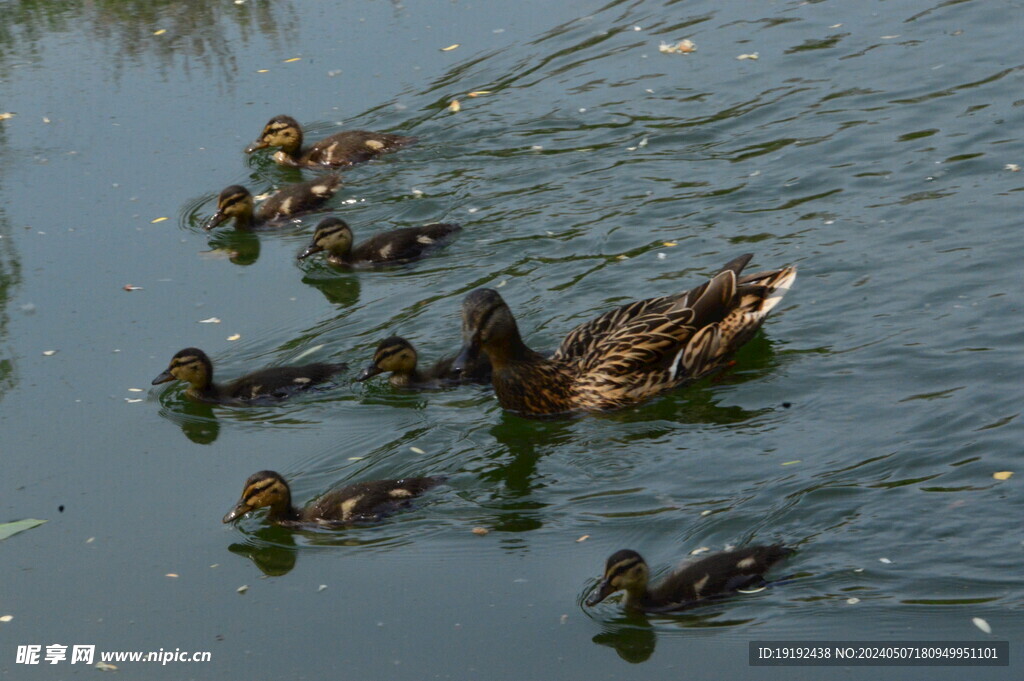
(312, 249)
(240, 509)
(603, 591)
(163, 378)
(214, 220)
(369, 372)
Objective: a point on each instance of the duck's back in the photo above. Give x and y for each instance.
(369, 500)
(280, 381)
(298, 198)
(353, 146)
(718, 574)
(404, 245)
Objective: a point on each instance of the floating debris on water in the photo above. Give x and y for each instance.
(455, 106)
(450, 47)
(1003, 475)
(982, 624)
(481, 531)
(682, 47)
(210, 320)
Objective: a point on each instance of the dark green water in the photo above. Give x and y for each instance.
(868, 144)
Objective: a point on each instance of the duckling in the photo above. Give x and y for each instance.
(397, 355)
(303, 197)
(396, 247)
(361, 502)
(628, 354)
(716, 575)
(194, 367)
(340, 150)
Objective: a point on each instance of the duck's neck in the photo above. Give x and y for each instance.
(283, 510)
(637, 597)
(245, 221)
(204, 389)
(512, 352)
(404, 379)
(340, 258)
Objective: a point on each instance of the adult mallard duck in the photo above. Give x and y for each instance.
(361, 502)
(397, 355)
(628, 354)
(395, 247)
(194, 367)
(337, 151)
(303, 197)
(717, 575)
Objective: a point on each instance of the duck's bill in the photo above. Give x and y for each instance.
(237, 512)
(214, 220)
(369, 372)
(467, 356)
(308, 251)
(163, 378)
(255, 146)
(603, 591)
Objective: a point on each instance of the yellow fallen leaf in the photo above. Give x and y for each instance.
(7, 115)
(455, 106)
(171, 574)
(160, 32)
(790, 463)
(449, 48)
(6, 618)
(477, 93)
(583, 538)
(106, 667)
(1003, 475)
(234, 337)
(480, 531)
(286, 61)
(156, 220)
(263, 71)
(669, 243)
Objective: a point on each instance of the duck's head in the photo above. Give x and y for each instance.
(393, 354)
(190, 365)
(266, 488)
(624, 570)
(332, 235)
(487, 325)
(234, 202)
(281, 131)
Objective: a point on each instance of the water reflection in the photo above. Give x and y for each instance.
(633, 638)
(339, 289)
(272, 549)
(275, 551)
(196, 420)
(128, 28)
(10, 276)
(242, 248)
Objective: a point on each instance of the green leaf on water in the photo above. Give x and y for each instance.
(9, 529)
